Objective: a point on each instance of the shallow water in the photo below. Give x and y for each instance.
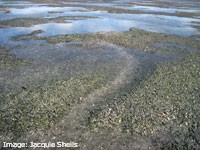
(57, 61)
(77, 26)
(143, 6)
(159, 9)
(104, 20)
(6, 3)
(86, 26)
(41, 10)
(111, 22)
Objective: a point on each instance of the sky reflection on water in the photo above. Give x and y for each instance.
(42, 9)
(155, 23)
(85, 26)
(159, 9)
(105, 21)
(123, 22)
(145, 8)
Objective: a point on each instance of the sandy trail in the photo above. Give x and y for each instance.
(72, 127)
(80, 112)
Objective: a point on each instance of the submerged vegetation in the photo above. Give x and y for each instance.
(28, 22)
(146, 96)
(8, 61)
(40, 107)
(137, 39)
(165, 107)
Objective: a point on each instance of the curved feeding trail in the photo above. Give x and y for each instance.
(122, 79)
(71, 128)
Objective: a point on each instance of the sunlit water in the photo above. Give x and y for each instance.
(159, 9)
(42, 10)
(104, 20)
(145, 8)
(52, 61)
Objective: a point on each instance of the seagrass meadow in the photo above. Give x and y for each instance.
(104, 74)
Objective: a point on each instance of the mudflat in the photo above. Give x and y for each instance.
(103, 74)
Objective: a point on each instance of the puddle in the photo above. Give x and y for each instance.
(123, 22)
(6, 3)
(90, 4)
(78, 26)
(138, 7)
(40, 11)
(48, 12)
(10, 32)
(163, 4)
(105, 21)
(113, 22)
(37, 10)
(163, 24)
(85, 26)
(159, 9)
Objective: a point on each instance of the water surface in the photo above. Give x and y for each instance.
(103, 21)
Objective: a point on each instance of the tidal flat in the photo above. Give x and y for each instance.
(106, 75)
